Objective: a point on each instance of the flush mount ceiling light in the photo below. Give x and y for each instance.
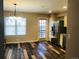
(50, 11)
(64, 7)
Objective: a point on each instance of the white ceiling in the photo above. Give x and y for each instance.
(39, 6)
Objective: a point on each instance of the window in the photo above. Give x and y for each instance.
(15, 26)
(42, 24)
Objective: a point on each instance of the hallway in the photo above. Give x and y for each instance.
(41, 50)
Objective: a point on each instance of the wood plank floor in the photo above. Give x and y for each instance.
(41, 50)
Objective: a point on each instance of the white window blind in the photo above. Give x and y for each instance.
(42, 31)
(15, 26)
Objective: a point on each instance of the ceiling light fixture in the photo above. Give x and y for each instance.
(65, 7)
(15, 9)
(50, 11)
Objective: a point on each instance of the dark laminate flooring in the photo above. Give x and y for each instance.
(41, 50)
